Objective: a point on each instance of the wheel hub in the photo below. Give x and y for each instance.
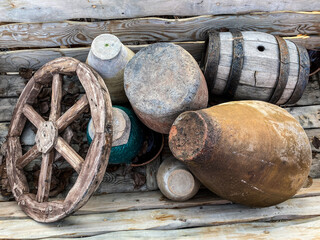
(46, 137)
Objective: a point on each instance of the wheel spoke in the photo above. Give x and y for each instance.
(69, 154)
(28, 157)
(32, 115)
(45, 177)
(67, 136)
(56, 97)
(72, 113)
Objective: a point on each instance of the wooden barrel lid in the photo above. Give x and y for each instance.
(161, 81)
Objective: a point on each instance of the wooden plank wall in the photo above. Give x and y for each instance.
(59, 10)
(12, 61)
(129, 31)
(33, 32)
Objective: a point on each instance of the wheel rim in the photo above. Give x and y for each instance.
(90, 170)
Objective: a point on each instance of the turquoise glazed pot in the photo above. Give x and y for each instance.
(128, 135)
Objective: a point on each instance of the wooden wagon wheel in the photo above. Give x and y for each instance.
(90, 170)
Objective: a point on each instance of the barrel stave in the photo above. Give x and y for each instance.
(261, 67)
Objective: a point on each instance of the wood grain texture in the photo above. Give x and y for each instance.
(315, 167)
(29, 156)
(32, 116)
(56, 97)
(11, 85)
(120, 202)
(4, 126)
(308, 117)
(296, 229)
(45, 177)
(154, 29)
(46, 11)
(69, 154)
(12, 61)
(161, 219)
(6, 108)
(72, 113)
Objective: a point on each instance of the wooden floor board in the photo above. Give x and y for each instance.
(295, 229)
(145, 211)
(160, 219)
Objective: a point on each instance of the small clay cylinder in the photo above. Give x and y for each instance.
(127, 136)
(108, 56)
(161, 81)
(249, 152)
(175, 180)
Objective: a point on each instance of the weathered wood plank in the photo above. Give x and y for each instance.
(315, 167)
(46, 10)
(162, 219)
(308, 116)
(6, 108)
(119, 202)
(12, 85)
(154, 29)
(296, 229)
(12, 61)
(308, 42)
(4, 127)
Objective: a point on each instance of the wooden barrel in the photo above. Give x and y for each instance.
(108, 56)
(175, 181)
(127, 138)
(256, 66)
(250, 152)
(161, 81)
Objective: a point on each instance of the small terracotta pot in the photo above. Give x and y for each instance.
(175, 180)
(108, 56)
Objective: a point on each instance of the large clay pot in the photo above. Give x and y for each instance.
(256, 66)
(161, 81)
(249, 152)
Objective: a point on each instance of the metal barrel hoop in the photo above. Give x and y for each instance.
(212, 58)
(284, 67)
(236, 65)
(303, 75)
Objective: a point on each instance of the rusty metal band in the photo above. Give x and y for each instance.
(303, 75)
(211, 60)
(284, 66)
(236, 65)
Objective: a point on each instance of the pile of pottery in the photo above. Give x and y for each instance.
(249, 152)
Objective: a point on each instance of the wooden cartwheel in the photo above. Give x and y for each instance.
(90, 170)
